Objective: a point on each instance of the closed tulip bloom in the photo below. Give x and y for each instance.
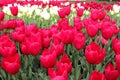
(14, 10)
(64, 12)
(12, 64)
(108, 31)
(78, 23)
(80, 11)
(20, 22)
(48, 58)
(1, 16)
(64, 64)
(59, 48)
(12, 23)
(116, 45)
(18, 34)
(79, 40)
(46, 42)
(95, 75)
(31, 45)
(64, 36)
(94, 14)
(55, 75)
(92, 30)
(94, 54)
(63, 23)
(111, 72)
(8, 49)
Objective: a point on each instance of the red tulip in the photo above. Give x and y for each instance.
(95, 75)
(64, 12)
(80, 11)
(64, 36)
(79, 40)
(108, 30)
(14, 10)
(92, 30)
(7, 47)
(55, 75)
(12, 23)
(63, 23)
(12, 64)
(46, 42)
(5, 24)
(64, 64)
(20, 22)
(116, 45)
(78, 23)
(1, 16)
(59, 48)
(110, 72)
(18, 34)
(48, 58)
(56, 38)
(31, 45)
(94, 14)
(94, 54)
(101, 14)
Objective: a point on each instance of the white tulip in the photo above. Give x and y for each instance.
(6, 10)
(111, 12)
(37, 11)
(116, 8)
(45, 15)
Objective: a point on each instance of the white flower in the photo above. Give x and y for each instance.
(54, 10)
(37, 11)
(45, 1)
(6, 10)
(111, 12)
(45, 15)
(116, 8)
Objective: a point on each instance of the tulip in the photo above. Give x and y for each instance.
(94, 54)
(79, 40)
(59, 48)
(63, 23)
(12, 23)
(94, 14)
(64, 36)
(46, 42)
(1, 16)
(110, 72)
(108, 30)
(55, 75)
(31, 45)
(64, 12)
(12, 64)
(78, 23)
(20, 22)
(92, 30)
(95, 75)
(18, 34)
(14, 10)
(48, 58)
(80, 11)
(64, 64)
(116, 45)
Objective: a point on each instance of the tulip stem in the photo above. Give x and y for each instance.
(75, 55)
